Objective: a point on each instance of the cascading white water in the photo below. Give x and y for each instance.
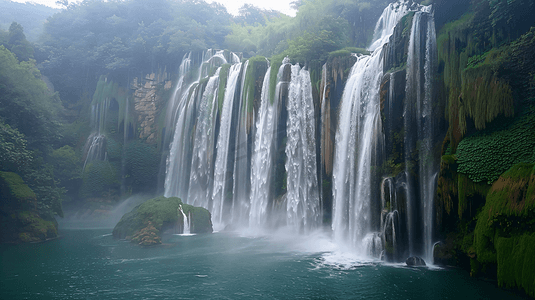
(262, 158)
(387, 22)
(95, 148)
(303, 207)
(186, 222)
(177, 177)
(223, 142)
(358, 133)
(175, 104)
(242, 179)
(201, 175)
(373, 244)
(178, 162)
(421, 65)
(211, 59)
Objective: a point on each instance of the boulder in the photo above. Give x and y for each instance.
(146, 222)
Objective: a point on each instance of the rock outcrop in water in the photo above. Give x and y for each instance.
(146, 223)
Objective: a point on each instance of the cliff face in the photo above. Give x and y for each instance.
(148, 102)
(484, 203)
(334, 76)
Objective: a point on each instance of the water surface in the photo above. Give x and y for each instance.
(89, 264)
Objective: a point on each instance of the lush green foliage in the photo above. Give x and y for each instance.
(13, 153)
(28, 130)
(15, 192)
(486, 155)
(27, 226)
(67, 166)
(162, 213)
(318, 28)
(141, 164)
(100, 178)
(31, 16)
(480, 67)
(201, 219)
(125, 37)
(25, 102)
(503, 233)
(15, 41)
(516, 262)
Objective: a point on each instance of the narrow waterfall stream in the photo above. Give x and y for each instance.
(186, 227)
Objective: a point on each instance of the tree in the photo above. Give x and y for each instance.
(16, 42)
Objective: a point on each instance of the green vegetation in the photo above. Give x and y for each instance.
(256, 69)
(319, 28)
(20, 221)
(503, 234)
(15, 192)
(29, 129)
(158, 215)
(31, 16)
(141, 165)
(119, 38)
(223, 77)
(348, 51)
(100, 178)
(484, 156)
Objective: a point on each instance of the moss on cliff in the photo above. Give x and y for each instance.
(14, 192)
(18, 220)
(223, 77)
(484, 156)
(516, 262)
(504, 230)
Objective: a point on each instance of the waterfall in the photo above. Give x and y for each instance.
(95, 148)
(262, 156)
(175, 104)
(303, 207)
(357, 137)
(186, 222)
(387, 22)
(221, 176)
(419, 119)
(242, 166)
(201, 175)
(373, 244)
(182, 115)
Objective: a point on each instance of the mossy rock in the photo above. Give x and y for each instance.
(504, 231)
(155, 216)
(147, 236)
(26, 227)
(516, 262)
(14, 192)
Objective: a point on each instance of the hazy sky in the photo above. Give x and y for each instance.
(232, 5)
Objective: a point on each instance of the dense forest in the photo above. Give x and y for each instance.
(87, 117)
